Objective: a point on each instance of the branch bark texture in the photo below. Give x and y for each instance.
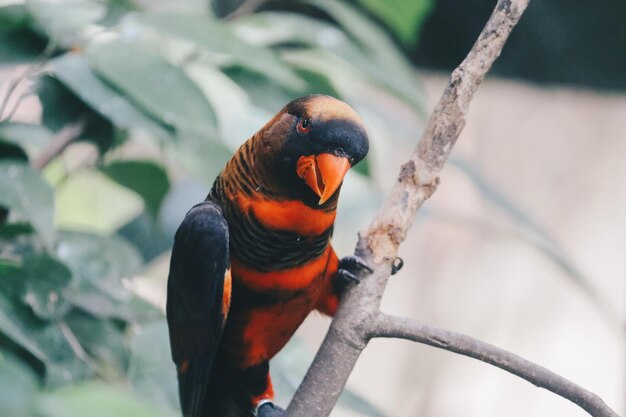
(358, 318)
(404, 328)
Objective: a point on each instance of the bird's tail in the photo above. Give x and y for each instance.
(226, 397)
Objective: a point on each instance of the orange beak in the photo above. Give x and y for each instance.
(323, 173)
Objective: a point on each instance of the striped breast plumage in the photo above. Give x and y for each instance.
(281, 258)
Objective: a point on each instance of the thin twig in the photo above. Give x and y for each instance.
(404, 328)
(67, 135)
(78, 349)
(29, 72)
(12, 87)
(246, 8)
(29, 92)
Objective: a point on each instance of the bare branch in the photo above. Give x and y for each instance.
(358, 318)
(14, 83)
(404, 328)
(67, 135)
(419, 176)
(378, 245)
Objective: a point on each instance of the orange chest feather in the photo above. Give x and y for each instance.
(287, 280)
(290, 215)
(256, 333)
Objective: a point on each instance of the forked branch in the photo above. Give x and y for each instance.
(359, 318)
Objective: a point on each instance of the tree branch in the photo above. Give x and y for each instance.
(358, 317)
(70, 132)
(404, 328)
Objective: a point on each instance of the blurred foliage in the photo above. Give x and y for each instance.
(558, 42)
(404, 18)
(160, 94)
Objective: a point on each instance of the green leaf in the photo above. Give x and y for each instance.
(13, 16)
(368, 52)
(144, 177)
(96, 400)
(397, 74)
(117, 259)
(24, 192)
(363, 167)
(217, 38)
(103, 340)
(20, 46)
(10, 150)
(263, 93)
(146, 234)
(152, 372)
(403, 17)
(201, 157)
(100, 262)
(184, 195)
(84, 202)
(45, 280)
(64, 20)
(160, 89)
(142, 311)
(25, 135)
(239, 119)
(20, 386)
(12, 326)
(61, 107)
(12, 230)
(318, 82)
(46, 342)
(74, 72)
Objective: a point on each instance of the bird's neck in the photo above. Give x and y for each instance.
(269, 228)
(253, 173)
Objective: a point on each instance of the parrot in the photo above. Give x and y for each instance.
(252, 260)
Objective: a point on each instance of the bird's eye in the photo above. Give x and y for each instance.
(303, 126)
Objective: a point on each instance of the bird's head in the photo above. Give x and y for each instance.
(315, 140)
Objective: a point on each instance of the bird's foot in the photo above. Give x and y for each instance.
(350, 268)
(397, 265)
(269, 409)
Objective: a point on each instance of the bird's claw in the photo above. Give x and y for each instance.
(348, 277)
(397, 265)
(350, 268)
(269, 409)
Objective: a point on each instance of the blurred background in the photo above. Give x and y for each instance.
(116, 115)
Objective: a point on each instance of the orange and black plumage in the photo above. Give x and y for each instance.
(252, 260)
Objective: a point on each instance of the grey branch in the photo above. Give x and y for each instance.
(404, 328)
(358, 314)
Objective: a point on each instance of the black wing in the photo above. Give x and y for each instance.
(195, 291)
